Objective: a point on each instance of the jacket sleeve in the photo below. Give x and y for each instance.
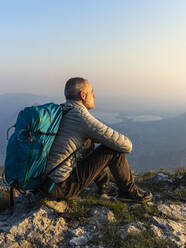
(100, 133)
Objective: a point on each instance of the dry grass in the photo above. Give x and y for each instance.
(180, 171)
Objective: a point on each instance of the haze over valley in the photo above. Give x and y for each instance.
(159, 140)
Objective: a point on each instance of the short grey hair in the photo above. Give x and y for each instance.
(73, 87)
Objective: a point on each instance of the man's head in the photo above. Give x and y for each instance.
(79, 89)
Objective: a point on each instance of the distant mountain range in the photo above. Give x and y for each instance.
(156, 144)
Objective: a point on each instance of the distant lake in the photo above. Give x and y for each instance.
(142, 118)
(113, 118)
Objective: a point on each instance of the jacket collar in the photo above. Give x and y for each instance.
(73, 104)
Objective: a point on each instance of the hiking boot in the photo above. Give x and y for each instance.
(107, 189)
(138, 195)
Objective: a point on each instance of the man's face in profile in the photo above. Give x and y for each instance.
(88, 96)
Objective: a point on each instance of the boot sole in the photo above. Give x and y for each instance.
(128, 200)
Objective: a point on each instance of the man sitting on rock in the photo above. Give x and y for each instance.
(78, 163)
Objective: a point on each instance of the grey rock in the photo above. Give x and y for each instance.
(58, 207)
(102, 216)
(78, 231)
(134, 227)
(173, 230)
(81, 240)
(39, 226)
(104, 197)
(95, 226)
(44, 226)
(177, 211)
(160, 177)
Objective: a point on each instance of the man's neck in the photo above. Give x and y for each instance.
(75, 101)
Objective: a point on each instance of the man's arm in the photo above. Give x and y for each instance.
(100, 133)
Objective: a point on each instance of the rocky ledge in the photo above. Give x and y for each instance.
(92, 222)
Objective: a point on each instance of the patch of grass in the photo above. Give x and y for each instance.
(148, 175)
(144, 211)
(164, 189)
(111, 238)
(178, 195)
(80, 209)
(144, 240)
(181, 194)
(148, 185)
(123, 212)
(144, 181)
(76, 211)
(180, 171)
(84, 205)
(120, 210)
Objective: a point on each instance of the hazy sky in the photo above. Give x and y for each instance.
(128, 49)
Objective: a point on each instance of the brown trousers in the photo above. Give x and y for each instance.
(90, 169)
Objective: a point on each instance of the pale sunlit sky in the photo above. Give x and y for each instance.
(128, 49)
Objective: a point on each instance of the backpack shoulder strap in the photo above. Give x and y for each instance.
(64, 112)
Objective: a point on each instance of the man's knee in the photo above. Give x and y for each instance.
(112, 151)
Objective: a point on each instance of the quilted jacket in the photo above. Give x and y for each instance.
(77, 126)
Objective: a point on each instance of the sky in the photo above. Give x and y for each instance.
(131, 51)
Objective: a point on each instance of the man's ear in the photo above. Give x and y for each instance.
(82, 95)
